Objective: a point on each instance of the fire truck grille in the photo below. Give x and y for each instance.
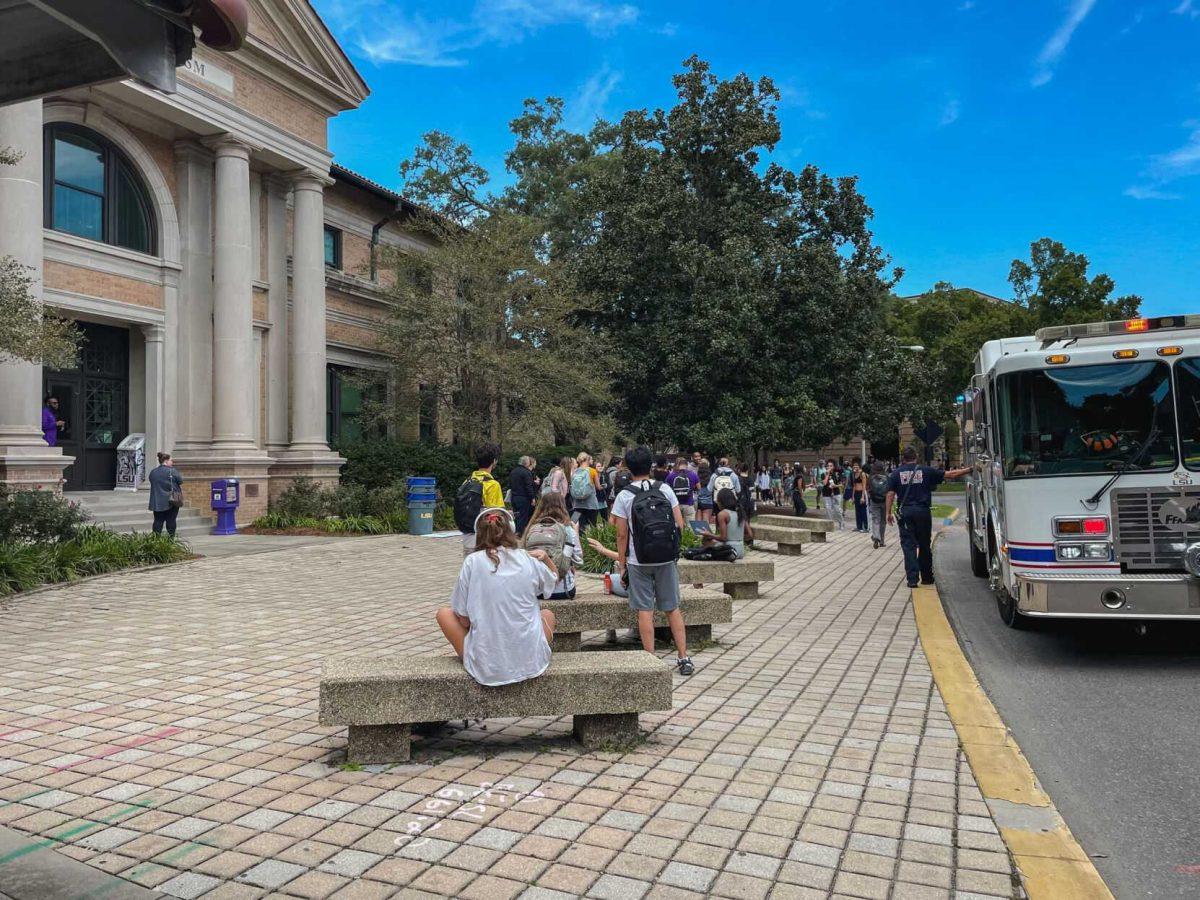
(1142, 542)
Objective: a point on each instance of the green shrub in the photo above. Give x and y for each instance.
(303, 498)
(383, 463)
(606, 534)
(93, 551)
(38, 517)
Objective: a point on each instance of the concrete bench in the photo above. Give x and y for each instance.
(739, 579)
(818, 527)
(382, 697)
(702, 609)
(790, 541)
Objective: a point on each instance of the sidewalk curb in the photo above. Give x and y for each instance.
(1052, 864)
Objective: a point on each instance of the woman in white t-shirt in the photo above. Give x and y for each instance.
(494, 621)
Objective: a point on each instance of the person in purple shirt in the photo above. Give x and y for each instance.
(684, 482)
(51, 423)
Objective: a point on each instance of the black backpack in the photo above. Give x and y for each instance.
(682, 488)
(877, 488)
(468, 503)
(711, 553)
(652, 526)
(620, 481)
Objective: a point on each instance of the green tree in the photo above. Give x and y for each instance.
(27, 332)
(952, 324)
(484, 316)
(736, 300)
(1054, 285)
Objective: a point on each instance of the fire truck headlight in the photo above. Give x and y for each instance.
(1069, 551)
(1191, 559)
(1096, 551)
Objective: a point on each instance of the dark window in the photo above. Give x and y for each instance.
(427, 415)
(347, 391)
(92, 190)
(333, 247)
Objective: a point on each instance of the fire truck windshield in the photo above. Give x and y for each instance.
(1088, 419)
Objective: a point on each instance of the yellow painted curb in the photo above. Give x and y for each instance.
(1052, 864)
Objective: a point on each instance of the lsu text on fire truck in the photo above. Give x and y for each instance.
(1084, 499)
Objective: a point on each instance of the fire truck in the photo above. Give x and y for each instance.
(1084, 496)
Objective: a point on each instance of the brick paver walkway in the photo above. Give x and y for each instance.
(162, 726)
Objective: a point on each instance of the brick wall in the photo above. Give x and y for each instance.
(64, 277)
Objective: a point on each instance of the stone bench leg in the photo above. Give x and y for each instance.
(820, 537)
(597, 731)
(694, 634)
(566, 642)
(377, 744)
(790, 549)
(742, 590)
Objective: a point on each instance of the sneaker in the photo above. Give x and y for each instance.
(913, 584)
(611, 636)
(875, 541)
(684, 664)
(929, 582)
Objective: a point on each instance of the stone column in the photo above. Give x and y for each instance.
(156, 394)
(308, 455)
(308, 315)
(25, 459)
(193, 321)
(277, 189)
(234, 376)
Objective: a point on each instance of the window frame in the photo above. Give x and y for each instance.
(116, 163)
(336, 263)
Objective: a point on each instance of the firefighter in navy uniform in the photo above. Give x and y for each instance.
(909, 496)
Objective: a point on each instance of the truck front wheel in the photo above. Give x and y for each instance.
(1006, 603)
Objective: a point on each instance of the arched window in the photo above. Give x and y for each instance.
(92, 190)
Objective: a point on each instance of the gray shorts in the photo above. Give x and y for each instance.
(654, 587)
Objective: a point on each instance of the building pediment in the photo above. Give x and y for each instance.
(290, 43)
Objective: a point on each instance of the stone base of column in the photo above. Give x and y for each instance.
(33, 468)
(250, 467)
(322, 466)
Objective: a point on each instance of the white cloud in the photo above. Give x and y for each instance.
(1143, 192)
(1187, 8)
(1057, 45)
(950, 112)
(387, 31)
(1165, 168)
(965, 5)
(590, 100)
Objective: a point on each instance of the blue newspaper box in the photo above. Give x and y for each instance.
(225, 499)
(422, 500)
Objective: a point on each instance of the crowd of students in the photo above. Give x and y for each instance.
(522, 545)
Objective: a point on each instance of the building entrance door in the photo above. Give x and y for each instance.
(93, 403)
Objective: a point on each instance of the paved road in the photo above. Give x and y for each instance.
(1109, 721)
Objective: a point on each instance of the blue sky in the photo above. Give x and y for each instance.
(975, 126)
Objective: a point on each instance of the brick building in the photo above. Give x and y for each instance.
(217, 262)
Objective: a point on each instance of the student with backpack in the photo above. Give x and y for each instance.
(603, 490)
(877, 487)
(649, 525)
(684, 482)
(480, 491)
(584, 484)
(704, 496)
(724, 477)
(494, 621)
(551, 530)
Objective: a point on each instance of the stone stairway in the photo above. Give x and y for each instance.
(127, 512)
